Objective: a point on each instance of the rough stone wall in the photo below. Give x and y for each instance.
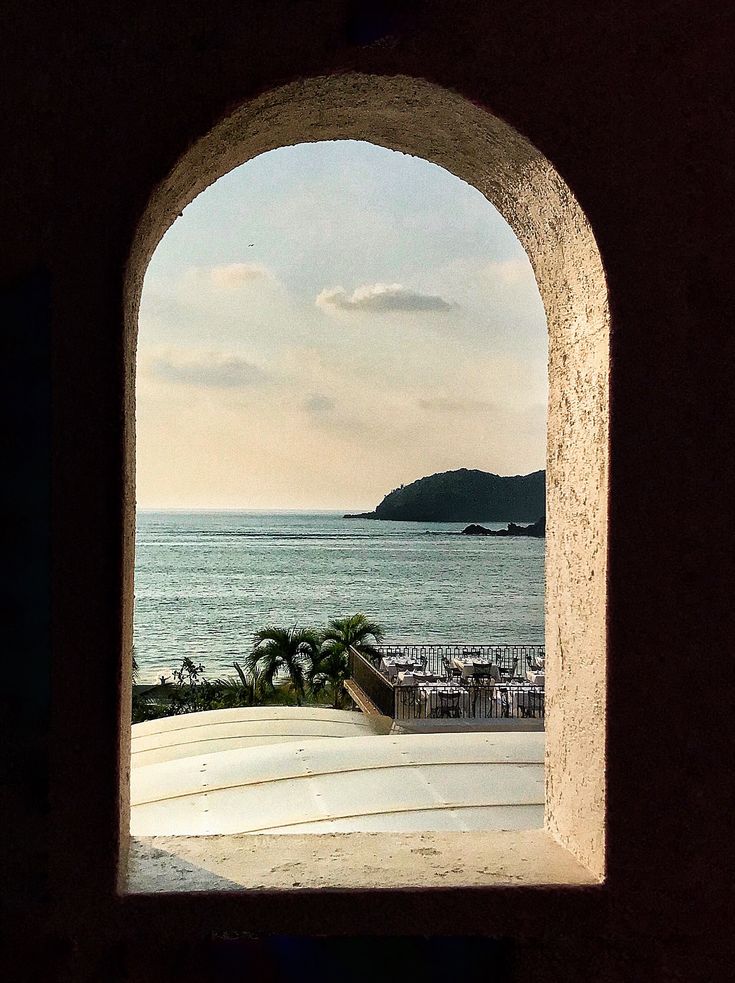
(631, 104)
(428, 121)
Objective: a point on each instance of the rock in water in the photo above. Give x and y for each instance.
(537, 529)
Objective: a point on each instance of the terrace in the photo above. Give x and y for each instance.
(451, 682)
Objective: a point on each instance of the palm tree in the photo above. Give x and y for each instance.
(353, 631)
(251, 685)
(276, 650)
(330, 668)
(328, 671)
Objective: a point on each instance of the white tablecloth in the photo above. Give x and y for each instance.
(455, 695)
(468, 667)
(424, 700)
(516, 698)
(415, 678)
(535, 678)
(391, 666)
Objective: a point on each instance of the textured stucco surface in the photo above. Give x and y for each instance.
(349, 860)
(428, 121)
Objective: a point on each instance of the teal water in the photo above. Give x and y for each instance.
(205, 581)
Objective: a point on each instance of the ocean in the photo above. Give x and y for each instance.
(206, 581)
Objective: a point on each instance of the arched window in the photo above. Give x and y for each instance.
(426, 121)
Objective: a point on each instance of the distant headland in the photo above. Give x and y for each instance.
(465, 496)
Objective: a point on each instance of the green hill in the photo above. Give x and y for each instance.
(465, 496)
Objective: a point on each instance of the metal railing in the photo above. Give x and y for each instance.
(512, 660)
(372, 682)
(468, 701)
(465, 697)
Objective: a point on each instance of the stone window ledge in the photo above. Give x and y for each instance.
(355, 861)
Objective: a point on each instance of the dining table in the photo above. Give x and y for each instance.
(390, 666)
(432, 702)
(471, 666)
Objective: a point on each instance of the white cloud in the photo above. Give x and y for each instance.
(235, 275)
(381, 298)
(207, 370)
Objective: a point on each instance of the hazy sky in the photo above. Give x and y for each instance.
(327, 322)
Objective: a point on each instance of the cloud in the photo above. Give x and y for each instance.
(235, 275)
(381, 298)
(208, 370)
(439, 405)
(316, 403)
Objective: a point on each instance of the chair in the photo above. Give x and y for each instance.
(448, 705)
(504, 701)
(532, 703)
(510, 673)
(408, 702)
(536, 701)
(477, 684)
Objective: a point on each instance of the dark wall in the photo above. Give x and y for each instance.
(632, 102)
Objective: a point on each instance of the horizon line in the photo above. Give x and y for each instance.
(243, 508)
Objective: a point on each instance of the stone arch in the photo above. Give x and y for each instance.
(425, 120)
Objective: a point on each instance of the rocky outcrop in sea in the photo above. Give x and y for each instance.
(537, 529)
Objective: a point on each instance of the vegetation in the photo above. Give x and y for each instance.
(279, 650)
(465, 496)
(341, 633)
(329, 670)
(286, 666)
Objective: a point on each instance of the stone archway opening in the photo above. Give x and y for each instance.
(424, 120)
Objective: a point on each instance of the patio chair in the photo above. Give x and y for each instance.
(448, 705)
(408, 702)
(477, 685)
(532, 704)
(510, 673)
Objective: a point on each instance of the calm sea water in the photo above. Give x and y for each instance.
(205, 581)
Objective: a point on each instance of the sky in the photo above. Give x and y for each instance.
(330, 321)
